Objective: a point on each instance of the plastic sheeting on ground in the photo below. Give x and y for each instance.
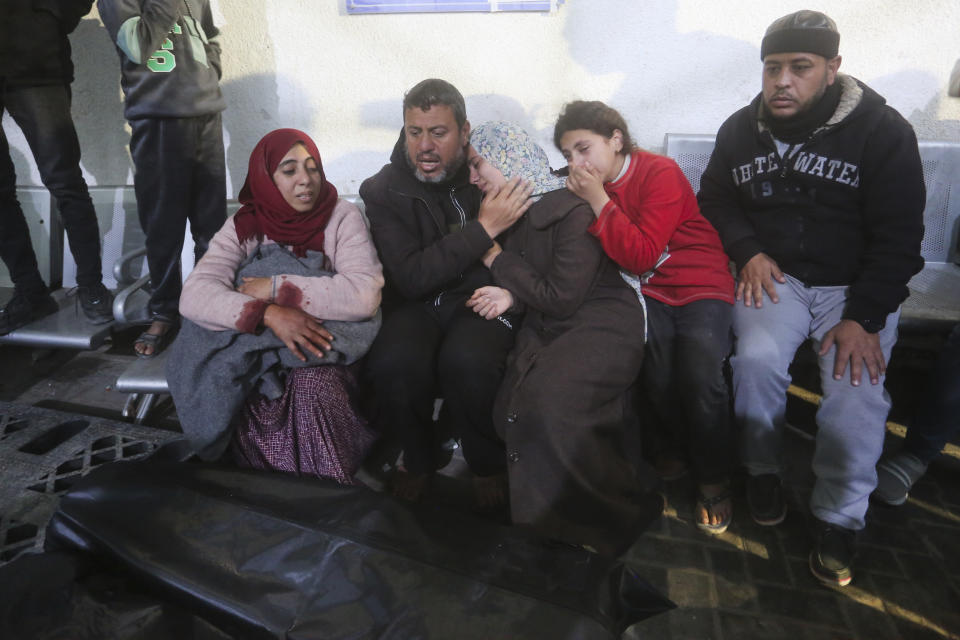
(253, 555)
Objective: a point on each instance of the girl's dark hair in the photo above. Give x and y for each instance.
(594, 116)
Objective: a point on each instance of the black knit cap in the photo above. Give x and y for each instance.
(804, 31)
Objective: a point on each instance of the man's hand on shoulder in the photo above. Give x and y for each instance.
(756, 277)
(856, 347)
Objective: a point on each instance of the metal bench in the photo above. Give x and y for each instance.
(67, 328)
(145, 380)
(934, 301)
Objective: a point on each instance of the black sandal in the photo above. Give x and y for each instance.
(156, 340)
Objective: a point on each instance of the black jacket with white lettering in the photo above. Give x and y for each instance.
(846, 208)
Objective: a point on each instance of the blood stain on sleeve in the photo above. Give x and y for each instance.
(289, 295)
(251, 316)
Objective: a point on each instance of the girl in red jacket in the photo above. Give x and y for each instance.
(648, 222)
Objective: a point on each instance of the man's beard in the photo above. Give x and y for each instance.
(799, 126)
(804, 109)
(449, 168)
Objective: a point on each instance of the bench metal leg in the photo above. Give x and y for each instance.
(146, 402)
(128, 406)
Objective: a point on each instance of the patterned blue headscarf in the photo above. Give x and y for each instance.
(511, 150)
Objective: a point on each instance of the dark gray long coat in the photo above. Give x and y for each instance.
(563, 408)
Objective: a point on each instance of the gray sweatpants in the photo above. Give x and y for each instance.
(851, 420)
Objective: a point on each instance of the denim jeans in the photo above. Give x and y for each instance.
(43, 114)
(683, 380)
(938, 418)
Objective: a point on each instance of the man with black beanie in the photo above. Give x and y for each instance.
(816, 189)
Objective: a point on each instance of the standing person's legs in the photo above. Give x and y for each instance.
(209, 202)
(470, 366)
(766, 340)
(401, 368)
(30, 299)
(163, 156)
(851, 423)
(15, 247)
(43, 114)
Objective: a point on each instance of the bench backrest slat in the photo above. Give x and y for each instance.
(941, 173)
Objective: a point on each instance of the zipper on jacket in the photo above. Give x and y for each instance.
(456, 203)
(436, 301)
(463, 221)
(792, 151)
(425, 204)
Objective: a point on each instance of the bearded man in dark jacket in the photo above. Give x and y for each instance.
(816, 189)
(35, 76)
(431, 231)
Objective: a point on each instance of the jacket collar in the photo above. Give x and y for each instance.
(557, 204)
(855, 97)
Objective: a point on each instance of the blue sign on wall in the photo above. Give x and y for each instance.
(445, 6)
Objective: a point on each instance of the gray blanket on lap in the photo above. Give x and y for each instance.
(210, 373)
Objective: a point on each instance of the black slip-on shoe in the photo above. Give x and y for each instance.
(765, 499)
(22, 310)
(831, 559)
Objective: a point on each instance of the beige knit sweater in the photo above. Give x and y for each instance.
(210, 299)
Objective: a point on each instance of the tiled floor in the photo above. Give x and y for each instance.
(751, 582)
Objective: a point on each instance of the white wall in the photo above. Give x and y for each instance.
(668, 65)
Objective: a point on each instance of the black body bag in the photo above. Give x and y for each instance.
(156, 549)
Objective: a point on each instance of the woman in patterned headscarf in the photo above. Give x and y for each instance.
(563, 408)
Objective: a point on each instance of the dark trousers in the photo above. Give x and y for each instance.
(180, 176)
(43, 114)
(423, 351)
(684, 383)
(938, 418)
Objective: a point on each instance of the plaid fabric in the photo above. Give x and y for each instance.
(314, 428)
